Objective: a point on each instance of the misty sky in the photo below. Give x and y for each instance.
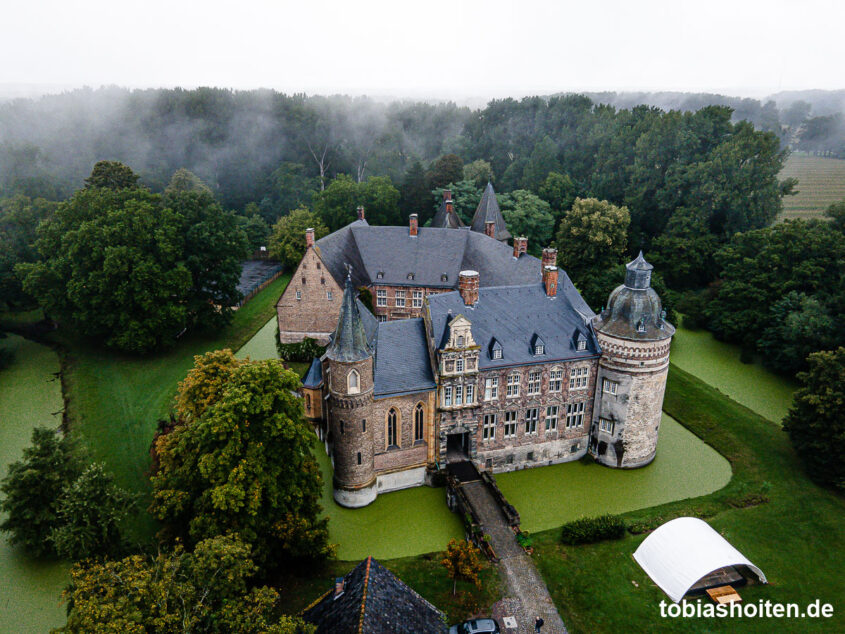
(436, 48)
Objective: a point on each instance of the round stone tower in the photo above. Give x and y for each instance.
(349, 380)
(634, 339)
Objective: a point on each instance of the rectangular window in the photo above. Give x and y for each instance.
(418, 297)
(531, 415)
(539, 349)
(447, 397)
(513, 385)
(329, 295)
(488, 430)
(459, 395)
(497, 353)
(578, 378)
(575, 414)
(381, 317)
(459, 365)
(534, 383)
(400, 299)
(491, 388)
(510, 424)
(555, 380)
(609, 387)
(551, 418)
(470, 394)
(381, 298)
(605, 424)
(298, 294)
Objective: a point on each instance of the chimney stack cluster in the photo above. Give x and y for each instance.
(490, 228)
(520, 246)
(309, 237)
(468, 287)
(550, 280)
(414, 224)
(361, 213)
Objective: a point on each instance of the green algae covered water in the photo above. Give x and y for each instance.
(30, 590)
(685, 467)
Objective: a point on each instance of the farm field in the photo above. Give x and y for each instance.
(30, 590)
(796, 537)
(547, 497)
(717, 363)
(821, 181)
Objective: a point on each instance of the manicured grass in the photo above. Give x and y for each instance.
(262, 345)
(718, 364)
(399, 524)
(547, 497)
(115, 400)
(30, 396)
(796, 537)
(821, 181)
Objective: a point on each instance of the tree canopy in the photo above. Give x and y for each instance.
(528, 215)
(287, 242)
(218, 469)
(336, 204)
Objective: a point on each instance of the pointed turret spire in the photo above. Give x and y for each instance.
(349, 342)
(488, 211)
(638, 273)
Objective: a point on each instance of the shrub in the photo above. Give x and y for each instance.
(304, 351)
(593, 529)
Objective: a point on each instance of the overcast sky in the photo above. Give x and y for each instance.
(436, 48)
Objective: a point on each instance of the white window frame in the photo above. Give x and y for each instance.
(513, 384)
(582, 344)
(555, 379)
(470, 394)
(353, 386)
(381, 297)
(539, 349)
(447, 396)
(459, 395)
(552, 412)
(535, 380)
(491, 388)
(575, 414)
(532, 415)
(298, 294)
(417, 299)
(510, 424)
(329, 296)
(609, 387)
(578, 378)
(607, 425)
(488, 429)
(399, 299)
(497, 353)
(459, 365)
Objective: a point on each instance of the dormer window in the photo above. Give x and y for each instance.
(641, 325)
(495, 350)
(444, 278)
(538, 346)
(461, 341)
(539, 349)
(582, 344)
(410, 276)
(497, 353)
(379, 275)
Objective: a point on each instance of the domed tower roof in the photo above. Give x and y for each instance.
(349, 342)
(634, 310)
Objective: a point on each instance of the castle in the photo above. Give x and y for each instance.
(476, 351)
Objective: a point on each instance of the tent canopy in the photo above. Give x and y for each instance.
(682, 551)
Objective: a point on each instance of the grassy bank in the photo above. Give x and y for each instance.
(115, 399)
(821, 181)
(30, 396)
(796, 537)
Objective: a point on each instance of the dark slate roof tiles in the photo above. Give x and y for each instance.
(402, 363)
(488, 209)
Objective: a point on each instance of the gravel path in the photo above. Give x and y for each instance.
(526, 595)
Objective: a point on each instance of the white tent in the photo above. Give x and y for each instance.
(682, 551)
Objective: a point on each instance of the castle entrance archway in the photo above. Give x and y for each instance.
(457, 447)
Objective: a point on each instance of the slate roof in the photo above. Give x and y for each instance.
(488, 209)
(514, 315)
(374, 601)
(314, 377)
(431, 254)
(402, 362)
(445, 220)
(349, 342)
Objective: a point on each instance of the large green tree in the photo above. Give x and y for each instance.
(336, 204)
(816, 420)
(448, 168)
(19, 218)
(287, 242)
(133, 269)
(207, 590)
(240, 459)
(112, 175)
(528, 215)
(479, 172)
(415, 196)
(465, 198)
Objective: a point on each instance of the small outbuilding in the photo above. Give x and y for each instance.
(687, 553)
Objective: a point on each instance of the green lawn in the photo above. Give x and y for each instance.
(796, 537)
(821, 182)
(30, 394)
(116, 399)
(548, 497)
(718, 364)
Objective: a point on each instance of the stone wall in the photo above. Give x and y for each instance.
(313, 314)
(408, 452)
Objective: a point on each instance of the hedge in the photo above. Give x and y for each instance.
(593, 529)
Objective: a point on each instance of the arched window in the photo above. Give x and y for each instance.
(353, 382)
(461, 341)
(392, 425)
(419, 422)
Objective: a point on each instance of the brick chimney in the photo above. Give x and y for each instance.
(447, 195)
(309, 237)
(520, 246)
(449, 208)
(413, 224)
(550, 280)
(468, 286)
(549, 259)
(490, 228)
(361, 212)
